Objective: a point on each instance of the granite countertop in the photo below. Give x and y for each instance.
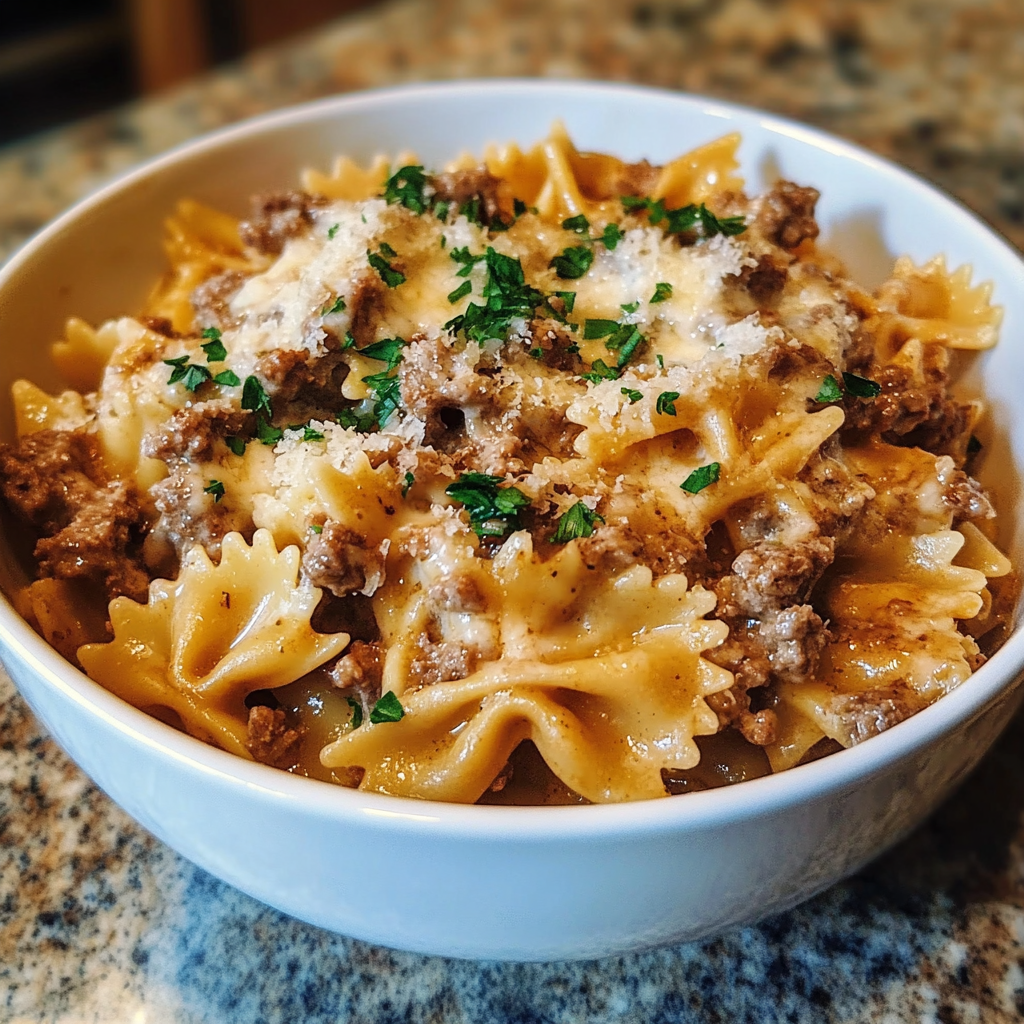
(100, 922)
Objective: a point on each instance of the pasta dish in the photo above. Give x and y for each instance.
(545, 477)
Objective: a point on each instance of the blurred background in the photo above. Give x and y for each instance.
(64, 59)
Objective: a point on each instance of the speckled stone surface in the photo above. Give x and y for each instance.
(99, 922)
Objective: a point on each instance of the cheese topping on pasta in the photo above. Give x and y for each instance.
(546, 476)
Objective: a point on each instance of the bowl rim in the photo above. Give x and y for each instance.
(993, 681)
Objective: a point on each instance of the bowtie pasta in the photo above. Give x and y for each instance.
(545, 477)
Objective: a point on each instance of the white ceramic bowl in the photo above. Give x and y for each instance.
(494, 882)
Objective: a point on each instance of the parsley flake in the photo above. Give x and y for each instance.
(409, 481)
(357, 709)
(195, 377)
(506, 296)
(686, 218)
(266, 432)
(214, 349)
(363, 422)
(441, 212)
(630, 307)
(703, 476)
(330, 308)
(388, 350)
(829, 391)
(599, 371)
(391, 277)
(406, 186)
(387, 709)
(467, 259)
(309, 434)
(227, 379)
(666, 403)
(493, 510)
(255, 398)
(579, 224)
(593, 329)
(460, 293)
(577, 522)
(633, 395)
(236, 445)
(861, 387)
(612, 235)
(211, 333)
(572, 262)
(316, 528)
(387, 395)
(332, 231)
(662, 291)
(216, 488)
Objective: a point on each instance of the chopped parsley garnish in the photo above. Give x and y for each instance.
(472, 210)
(216, 488)
(594, 329)
(660, 360)
(333, 230)
(227, 378)
(309, 434)
(662, 291)
(236, 445)
(519, 206)
(409, 481)
(357, 709)
(702, 477)
(441, 212)
(362, 422)
(214, 348)
(182, 371)
(493, 510)
(630, 307)
(255, 398)
(266, 432)
(388, 350)
(666, 403)
(577, 522)
(349, 340)
(406, 186)
(330, 308)
(625, 341)
(633, 395)
(612, 235)
(460, 293)
(599, 371)
(830, 391)
(391, 277)
(387, 709)
(506, 296)
(386, 250)
(387, 395)
(467, 259)
(579, 224)
(316, 528)
(573, 262)
(861, 387)
(685, 218)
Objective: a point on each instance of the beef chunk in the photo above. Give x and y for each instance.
(911, 410)
(276, 218)
(191, 432)
(211, 300)
(360, 671)
(341, 561)
(476, 183)
(786, 216)
(270, 739)
(441, 662)
(53, 480)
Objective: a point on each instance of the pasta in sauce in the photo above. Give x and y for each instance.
(534, 479)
